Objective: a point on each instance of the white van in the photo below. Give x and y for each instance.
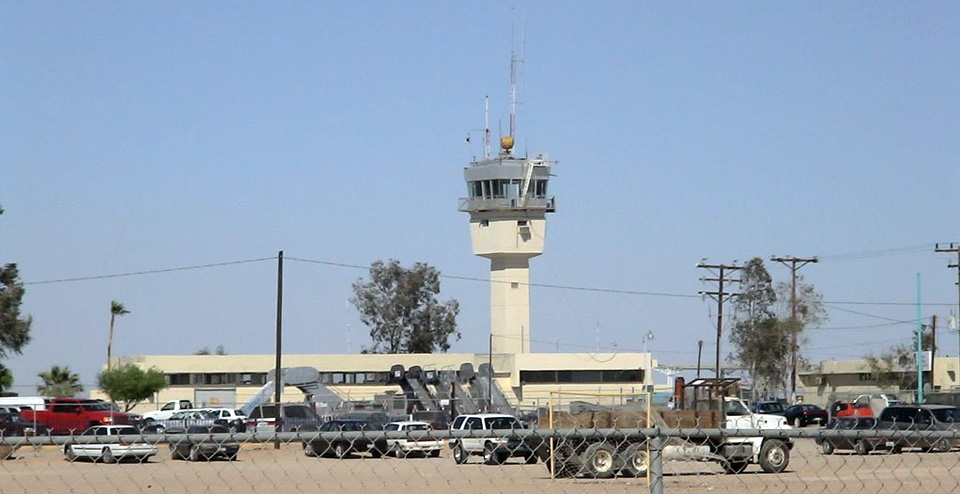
(24, 402)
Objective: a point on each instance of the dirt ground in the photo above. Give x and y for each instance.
(261, 469)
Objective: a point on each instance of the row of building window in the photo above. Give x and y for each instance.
(582, 376)
(260, 378)
(380, 378)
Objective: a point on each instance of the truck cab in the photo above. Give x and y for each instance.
(168, 409)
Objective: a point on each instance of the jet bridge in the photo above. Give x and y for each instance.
(306, 379)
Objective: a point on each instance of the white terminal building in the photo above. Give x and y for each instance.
(507, 201)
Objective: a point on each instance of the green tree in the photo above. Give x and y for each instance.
(400, 307)
(896, 367)
(130, 384)
(14, 329)
(116, 309)
(6, 378)
(59, 382)
(758, 339)
(810, 313)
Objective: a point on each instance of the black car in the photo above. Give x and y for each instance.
(804, 414)
(194, 449)
(13, 425)
(923, 418)
(342, 447)
(862, 444)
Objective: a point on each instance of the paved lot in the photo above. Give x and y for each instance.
(261, 469)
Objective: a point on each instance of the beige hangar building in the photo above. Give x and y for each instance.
(507, 202)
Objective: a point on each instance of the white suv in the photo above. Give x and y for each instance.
(494, 449)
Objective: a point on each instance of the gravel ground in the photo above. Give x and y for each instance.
(262, 469)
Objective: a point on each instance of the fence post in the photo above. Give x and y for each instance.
(656, 464)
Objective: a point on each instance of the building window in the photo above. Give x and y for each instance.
(178, 379)
(582, 376)
(867, 377)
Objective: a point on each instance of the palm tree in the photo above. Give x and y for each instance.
(116, 309)
(59, 382)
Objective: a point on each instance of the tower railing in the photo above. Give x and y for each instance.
(471, 204)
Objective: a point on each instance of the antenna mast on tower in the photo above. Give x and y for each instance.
(486, 127)
(514, 60)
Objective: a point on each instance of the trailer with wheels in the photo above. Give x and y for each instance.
(701, 404)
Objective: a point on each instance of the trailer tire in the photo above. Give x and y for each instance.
(635, 460)
(600, 460)
(565, 462)
(734, 467)
(774, 456)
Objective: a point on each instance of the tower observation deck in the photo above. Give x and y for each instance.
(507, 200)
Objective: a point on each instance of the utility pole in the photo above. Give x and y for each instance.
(699, 354)
(277, 374)
(933, 350)
(955, 248)
(794, 263)
(718, 295)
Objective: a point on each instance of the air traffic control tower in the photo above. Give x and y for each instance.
(508, 202)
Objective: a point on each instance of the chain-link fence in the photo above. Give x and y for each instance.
(538, 459)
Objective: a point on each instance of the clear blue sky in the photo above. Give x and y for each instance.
(138, 137)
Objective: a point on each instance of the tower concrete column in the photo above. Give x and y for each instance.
(510, 304)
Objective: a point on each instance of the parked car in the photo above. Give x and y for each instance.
(862, 444)
(12, 425)
(803, 414)
(109, 452)
(234, 420)
(852, 409)
(767, 407)
(342, 447)
(406, 446)
(194, 449)
(67, 415)
(168, 409)
(494, 449)
(922, 418)
(179, 421)
(293, 417)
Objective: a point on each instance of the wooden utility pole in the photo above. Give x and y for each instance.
(719, 295)
(278, 375)
(955, 248)
(794, 263)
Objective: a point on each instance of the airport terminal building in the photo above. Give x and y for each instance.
(526, 380)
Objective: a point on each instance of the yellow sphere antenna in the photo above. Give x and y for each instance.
(506, 143)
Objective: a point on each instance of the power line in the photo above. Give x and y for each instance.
(153, 271)
(451, 277)
(879, 253)
(535, 285)
(845, 328)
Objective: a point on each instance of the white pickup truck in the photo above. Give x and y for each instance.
(167, 410)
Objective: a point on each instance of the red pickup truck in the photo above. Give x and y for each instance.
(73, 415)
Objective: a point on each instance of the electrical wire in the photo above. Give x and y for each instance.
(153, 271)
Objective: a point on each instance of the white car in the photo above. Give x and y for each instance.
(405, 446)
(234, 420)
(109, 452)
